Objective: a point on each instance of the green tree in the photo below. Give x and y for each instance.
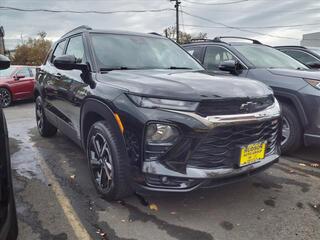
(171, 32)
(33, 52)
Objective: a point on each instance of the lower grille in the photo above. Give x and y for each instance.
(221, 146)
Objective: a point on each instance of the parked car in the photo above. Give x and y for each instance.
(309, 56)
(149, 117)
(8, 218)
(295, 86)
(16, 83)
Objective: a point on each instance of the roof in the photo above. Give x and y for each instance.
(85, 28)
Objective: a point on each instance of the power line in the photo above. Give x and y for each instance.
(215, 4)
(255, 27)
(236, 28)
(84, 12)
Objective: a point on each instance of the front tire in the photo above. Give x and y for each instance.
(108, 161)
(45, 128)
(5, 97)
(291, 130)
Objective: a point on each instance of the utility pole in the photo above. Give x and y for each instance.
(177, 17)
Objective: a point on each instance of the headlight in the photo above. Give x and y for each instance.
(147, 102)
(313, 82)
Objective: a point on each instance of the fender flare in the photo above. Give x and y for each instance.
(295, 101)
(105, 111)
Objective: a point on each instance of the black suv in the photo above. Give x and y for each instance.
(8, 216)
(309, 56)
(147, 115)
(295, 86)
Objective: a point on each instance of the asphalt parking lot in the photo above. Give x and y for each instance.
(56, 199)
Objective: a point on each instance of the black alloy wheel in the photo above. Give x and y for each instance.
(5, 97)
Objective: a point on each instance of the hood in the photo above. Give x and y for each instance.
(310, 74)
(182, 84)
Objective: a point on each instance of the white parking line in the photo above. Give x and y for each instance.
(72, 217)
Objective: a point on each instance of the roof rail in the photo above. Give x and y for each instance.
(290, 46)
(200, 40)
(254, 41)
(82, 27)
(155, 33)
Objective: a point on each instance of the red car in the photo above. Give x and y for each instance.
(16, 83)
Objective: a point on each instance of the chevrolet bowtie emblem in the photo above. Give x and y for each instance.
(248, 107)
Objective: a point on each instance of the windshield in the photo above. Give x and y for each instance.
(7, 72)
(266, 57)
(117, 51)
(315, 50)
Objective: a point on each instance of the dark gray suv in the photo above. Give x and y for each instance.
(294, 84)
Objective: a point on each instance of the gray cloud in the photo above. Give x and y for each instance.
(250, 13)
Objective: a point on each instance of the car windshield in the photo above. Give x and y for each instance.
(315, 50)
(266, 57)
(7, 72)
(120, 51)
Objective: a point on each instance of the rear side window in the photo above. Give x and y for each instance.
(195, 52)
(24, 71)
(75, 47)
(58, 51)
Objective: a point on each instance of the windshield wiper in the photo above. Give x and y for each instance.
(116, 68)
(173, 67)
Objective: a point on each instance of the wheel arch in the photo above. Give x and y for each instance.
(94, 110)
(294, 101)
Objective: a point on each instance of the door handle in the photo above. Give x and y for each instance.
(58, 75)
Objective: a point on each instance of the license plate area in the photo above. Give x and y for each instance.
(252, 153)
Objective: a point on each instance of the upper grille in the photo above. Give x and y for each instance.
(233, 106)
(222, 145)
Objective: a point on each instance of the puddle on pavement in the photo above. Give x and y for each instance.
(23, 154)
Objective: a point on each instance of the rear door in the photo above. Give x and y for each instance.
(23, 83)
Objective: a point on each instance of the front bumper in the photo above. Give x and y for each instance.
(161, 176)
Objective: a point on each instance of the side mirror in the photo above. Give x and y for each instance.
(69, 62)
(231, 66)
(4, 62)
(19, 76)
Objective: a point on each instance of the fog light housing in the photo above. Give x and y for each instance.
(159, 138)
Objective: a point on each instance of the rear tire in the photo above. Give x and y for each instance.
(108, 161)
(292, 130)
(5, 97)
(45, 128)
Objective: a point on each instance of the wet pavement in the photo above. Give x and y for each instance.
(56, 199)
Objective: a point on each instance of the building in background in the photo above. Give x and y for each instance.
(2, 47)
(311, 40)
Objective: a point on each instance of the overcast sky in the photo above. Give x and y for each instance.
(245, 14)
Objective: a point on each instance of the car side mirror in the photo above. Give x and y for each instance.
(69, 62)
(4, 62)
(19, 76)
(231, 66)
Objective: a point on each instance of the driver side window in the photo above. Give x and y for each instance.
(24, 72)
(215, 56)
(75, 47)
